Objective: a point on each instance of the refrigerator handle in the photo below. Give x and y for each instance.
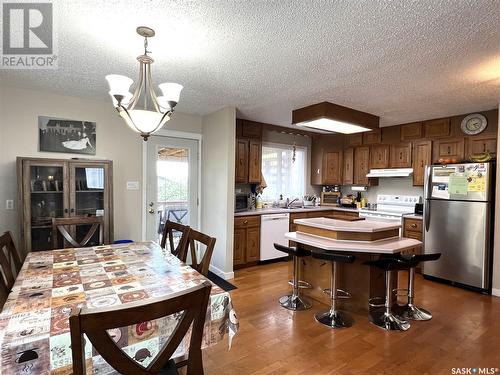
(427, 214)
(427, 185)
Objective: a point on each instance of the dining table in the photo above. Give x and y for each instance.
(34, 322)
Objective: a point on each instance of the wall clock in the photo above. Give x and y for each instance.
(474, 124)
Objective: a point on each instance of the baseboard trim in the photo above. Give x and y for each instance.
(495, 292)
(224, 275)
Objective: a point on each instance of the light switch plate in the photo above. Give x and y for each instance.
(9, 204)
(132, 185)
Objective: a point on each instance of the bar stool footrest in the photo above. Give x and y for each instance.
(376, 302)
(400, 292)
(302, 284)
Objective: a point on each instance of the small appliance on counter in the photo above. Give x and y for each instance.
(330, 198)
(419, 209)
(241, 202)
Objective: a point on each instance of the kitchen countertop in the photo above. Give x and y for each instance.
(277, 210)
(414, 216)
(385, 246)
(361, 226)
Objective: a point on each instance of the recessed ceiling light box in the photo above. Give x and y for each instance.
(334, 118)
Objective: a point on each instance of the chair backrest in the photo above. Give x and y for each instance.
(6, 275)
(204, 263)
(9, 248)
(94, 323)
(61, 225)
(169, 233)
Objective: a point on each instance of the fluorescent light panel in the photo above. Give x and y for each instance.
(334, 126)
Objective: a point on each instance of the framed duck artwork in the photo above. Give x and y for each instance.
(67, 136)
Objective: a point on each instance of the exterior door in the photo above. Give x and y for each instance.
(171, 184)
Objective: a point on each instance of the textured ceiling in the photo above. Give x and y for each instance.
(402, 60)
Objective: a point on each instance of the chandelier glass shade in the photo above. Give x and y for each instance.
(143, 111)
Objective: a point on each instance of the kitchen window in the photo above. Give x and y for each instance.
(282, 174)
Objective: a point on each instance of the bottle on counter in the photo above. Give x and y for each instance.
(258, 203)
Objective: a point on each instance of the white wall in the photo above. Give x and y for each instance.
(496, 248)
(19, 111)
(218, 163)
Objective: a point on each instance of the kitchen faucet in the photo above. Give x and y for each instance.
(289, 203)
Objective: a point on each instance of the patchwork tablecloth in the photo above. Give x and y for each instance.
(34, 325)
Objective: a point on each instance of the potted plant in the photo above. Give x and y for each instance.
(309, 200)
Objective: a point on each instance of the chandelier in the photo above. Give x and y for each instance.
(154, 110)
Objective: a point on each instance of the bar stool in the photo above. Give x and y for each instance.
(409, 310)
(294, 301)
(385, 318)
(334, 318)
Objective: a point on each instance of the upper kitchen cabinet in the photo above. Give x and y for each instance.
(361, 165)
(333, 166)
(422, 156)
(372, 137)
(353, 140)
(248, 152)
(401, 155)
(379, 156)
(348, 173)
(326, 160)
(449, 148)
(242, 160)
(437, 128)
(411, 131)
(255, 161)
(479, 144)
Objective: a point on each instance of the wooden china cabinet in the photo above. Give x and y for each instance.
(51, 188)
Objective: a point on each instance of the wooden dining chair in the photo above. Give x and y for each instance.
(61, 225)
(195, 238)
(94, 323)
(6, 276)
(170, 232)
(9, 248)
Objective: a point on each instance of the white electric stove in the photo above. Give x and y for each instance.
(391, 207)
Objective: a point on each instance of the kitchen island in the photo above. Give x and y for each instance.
(365, 239)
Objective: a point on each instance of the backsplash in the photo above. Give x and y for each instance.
(399, 185)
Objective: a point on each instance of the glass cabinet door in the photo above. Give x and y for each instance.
(88, 196)
(46, 192)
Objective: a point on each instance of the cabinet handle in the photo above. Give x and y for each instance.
(421, 163)
(449, 150)
(401, 155)
(72, 210)
(484, 147)
(245, 222)
(413, 225)
(65, 210)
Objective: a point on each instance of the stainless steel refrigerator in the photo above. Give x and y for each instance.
(458, 215)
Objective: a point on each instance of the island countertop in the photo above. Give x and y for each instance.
(360, 226)
(386, 246)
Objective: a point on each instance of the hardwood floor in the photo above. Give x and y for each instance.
(464, 332)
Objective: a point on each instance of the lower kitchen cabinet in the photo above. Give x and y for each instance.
(412, 228)
(246, 249)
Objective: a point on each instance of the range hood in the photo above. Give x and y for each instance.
(395, 172)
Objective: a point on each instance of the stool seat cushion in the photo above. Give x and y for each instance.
(293, 251)
(412, 260)
(333, 257)
(387, 264)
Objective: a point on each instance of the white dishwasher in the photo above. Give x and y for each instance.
(272, 230)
